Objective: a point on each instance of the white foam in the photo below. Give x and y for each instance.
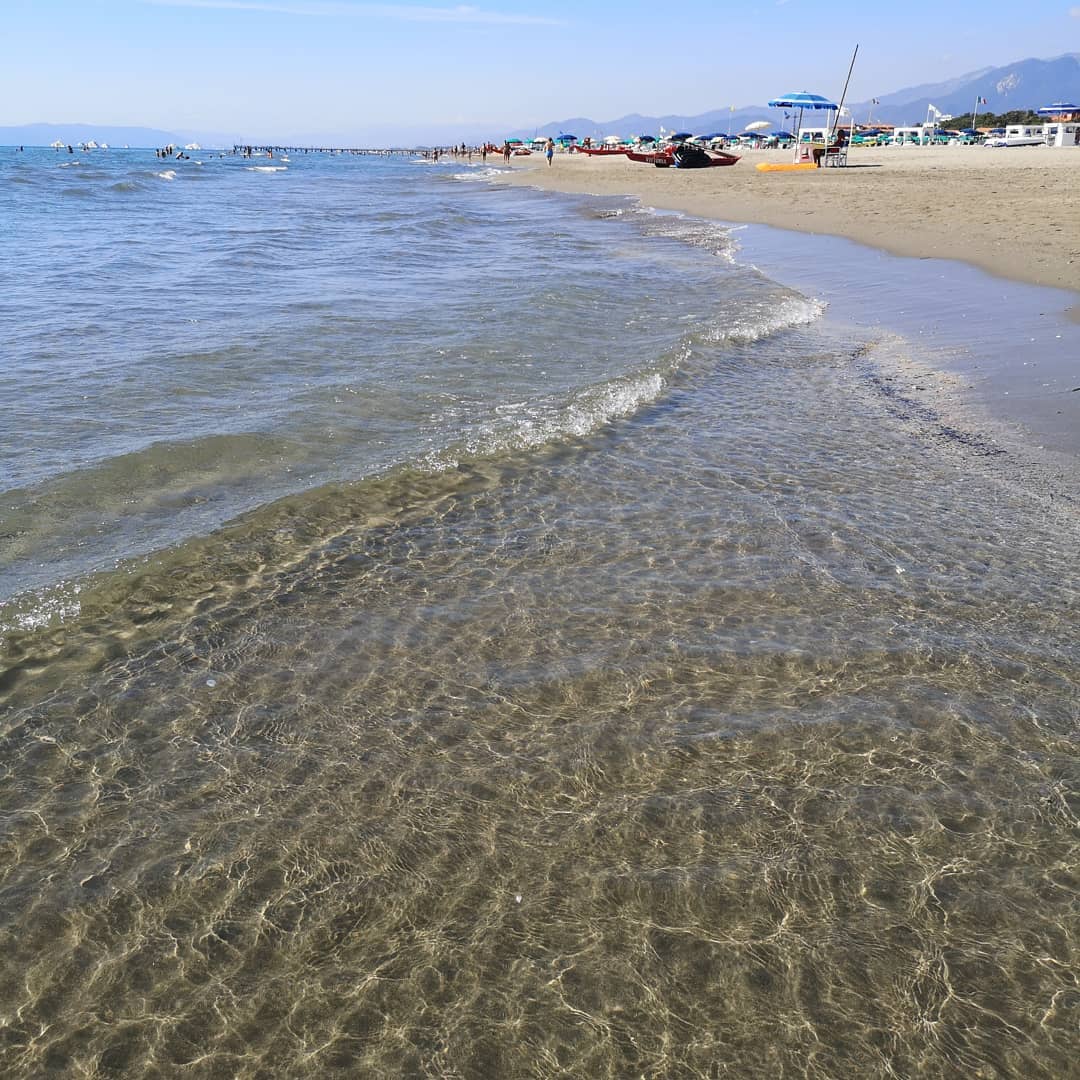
(762, 318)
(698, 232)
(482, 172)
(267, 168)
(47, 607)
(518, 426)
(169, 174)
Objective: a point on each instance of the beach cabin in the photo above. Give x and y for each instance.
(814, 134)
(912, 136)
(1062, 133)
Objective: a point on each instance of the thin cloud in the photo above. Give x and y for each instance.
(1075, 12)
(335, 9)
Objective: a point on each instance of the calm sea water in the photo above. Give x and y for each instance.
(466, 633)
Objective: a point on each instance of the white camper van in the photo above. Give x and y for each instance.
(1020, 135)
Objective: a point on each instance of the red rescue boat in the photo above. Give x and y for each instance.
(685, 156)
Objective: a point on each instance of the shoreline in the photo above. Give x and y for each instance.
(1028, 240)
(1014, 213)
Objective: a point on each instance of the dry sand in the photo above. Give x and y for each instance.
(1014, 212)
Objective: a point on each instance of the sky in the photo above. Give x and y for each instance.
(346, 71)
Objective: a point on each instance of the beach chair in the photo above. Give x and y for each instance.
(835, 155)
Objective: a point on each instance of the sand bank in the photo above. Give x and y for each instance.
(1013, 212)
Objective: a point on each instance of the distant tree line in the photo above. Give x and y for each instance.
(989, 119)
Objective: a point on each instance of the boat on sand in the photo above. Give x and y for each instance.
(684, 156)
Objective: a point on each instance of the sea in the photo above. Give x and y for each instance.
(454, 630)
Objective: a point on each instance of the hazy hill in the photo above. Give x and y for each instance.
(1025, 84)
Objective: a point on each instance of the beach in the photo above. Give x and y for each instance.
(454, 629)
(1014, 212)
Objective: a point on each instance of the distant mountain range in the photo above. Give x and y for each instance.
(1025, 84)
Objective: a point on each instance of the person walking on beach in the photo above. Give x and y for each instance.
(549, 150)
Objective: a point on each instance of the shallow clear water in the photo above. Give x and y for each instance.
(724, 727)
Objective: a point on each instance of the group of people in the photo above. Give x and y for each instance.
(506, 150)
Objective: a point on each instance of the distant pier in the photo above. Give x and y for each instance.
(251, 148)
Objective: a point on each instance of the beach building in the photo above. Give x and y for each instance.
(920, 135)
(814, 134)
(1062, 133)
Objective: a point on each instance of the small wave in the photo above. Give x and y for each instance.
(757, 319)
(68, 164)
(267, 168)
(484, 172)
(168, 174)
(125, 185)
(522, 427)
(697, 232)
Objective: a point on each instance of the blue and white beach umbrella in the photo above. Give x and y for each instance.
(1058, 108)
(802, 100)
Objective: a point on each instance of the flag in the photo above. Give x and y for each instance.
(874, 101)
(934, 110)
(983, 101)
(732, 108)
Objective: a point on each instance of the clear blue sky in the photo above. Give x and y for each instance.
(309, 69)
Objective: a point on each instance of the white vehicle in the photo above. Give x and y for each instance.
(1019, 135)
